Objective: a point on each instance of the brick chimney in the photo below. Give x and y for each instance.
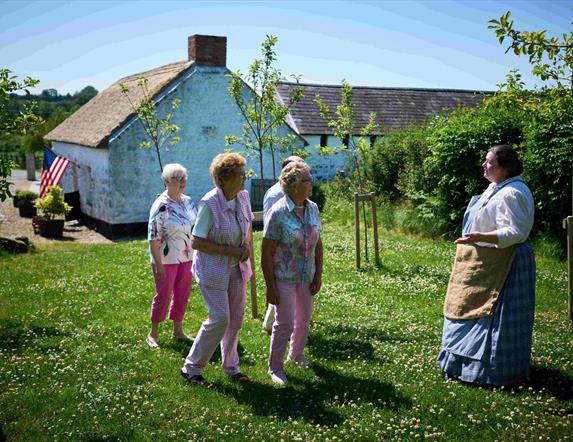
(207, 50)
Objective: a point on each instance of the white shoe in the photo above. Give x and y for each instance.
(278, 377)
(301, 361)
(152, 342)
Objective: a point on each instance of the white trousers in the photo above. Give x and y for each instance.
(222, 326)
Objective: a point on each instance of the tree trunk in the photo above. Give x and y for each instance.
(261, 163)
(31, 166)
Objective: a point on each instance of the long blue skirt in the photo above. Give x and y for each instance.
(496, 350)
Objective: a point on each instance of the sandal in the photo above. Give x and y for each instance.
(152, 342)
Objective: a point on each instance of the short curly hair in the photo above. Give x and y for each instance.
(169, 171)
(223, 166)
(291, 175)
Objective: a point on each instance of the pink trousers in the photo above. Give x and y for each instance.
(292, 320)
(226, 311)
(178, 280)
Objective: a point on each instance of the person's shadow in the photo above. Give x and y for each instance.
(556, 383)
(307, 399)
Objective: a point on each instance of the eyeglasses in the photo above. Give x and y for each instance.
(179, 178)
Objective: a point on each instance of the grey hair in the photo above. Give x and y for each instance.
(291, 175)
(170, 169)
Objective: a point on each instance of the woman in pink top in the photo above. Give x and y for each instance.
(292, 266)
(222, 267)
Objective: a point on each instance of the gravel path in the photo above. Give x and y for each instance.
(13, 225)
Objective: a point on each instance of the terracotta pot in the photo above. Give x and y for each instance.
(51, 228)
(26, 209)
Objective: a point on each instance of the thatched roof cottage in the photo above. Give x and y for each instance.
(117, 180)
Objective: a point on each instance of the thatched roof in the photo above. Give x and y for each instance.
(394, 107)
(92, 124)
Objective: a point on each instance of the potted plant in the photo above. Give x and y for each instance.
(26, 200)
(53, 210)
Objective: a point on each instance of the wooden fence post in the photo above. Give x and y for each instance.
(568, 224)
(375, 227)
(357, 226)
(253, 282)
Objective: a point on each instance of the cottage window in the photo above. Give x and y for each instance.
(323, 140)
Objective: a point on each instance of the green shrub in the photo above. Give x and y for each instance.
(393, 164)
(548, 160)
(458, 144)
(318, 196)
(52, 204)
(26, 195)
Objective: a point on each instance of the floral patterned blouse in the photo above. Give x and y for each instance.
(171, 222)
(294, 258)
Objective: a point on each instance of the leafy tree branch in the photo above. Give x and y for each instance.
(551, 57)
(160, 131)
(263, 113)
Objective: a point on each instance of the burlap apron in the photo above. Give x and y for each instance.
(476, 281)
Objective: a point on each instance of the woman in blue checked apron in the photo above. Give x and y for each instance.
(489, 307)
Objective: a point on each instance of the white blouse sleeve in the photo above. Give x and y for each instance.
(514, 217)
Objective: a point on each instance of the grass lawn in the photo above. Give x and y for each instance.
(74, 364)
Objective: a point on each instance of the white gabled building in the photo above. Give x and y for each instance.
(117, 180)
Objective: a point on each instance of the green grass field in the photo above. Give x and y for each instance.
(74, 364)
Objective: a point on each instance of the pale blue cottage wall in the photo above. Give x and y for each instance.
(206, 115)
(324, 168)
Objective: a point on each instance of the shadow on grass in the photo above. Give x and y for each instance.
(309, 399)
(183, 347)
(339, 349)
(17, 336)
(344, 342)
(556, 383)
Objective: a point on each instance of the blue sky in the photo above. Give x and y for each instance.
(68, 45)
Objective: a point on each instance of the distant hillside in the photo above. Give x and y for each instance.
(51, 106)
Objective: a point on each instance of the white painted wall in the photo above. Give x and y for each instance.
(89, 173)
(324, 168)
(127, 178)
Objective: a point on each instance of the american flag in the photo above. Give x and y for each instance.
(52, 171)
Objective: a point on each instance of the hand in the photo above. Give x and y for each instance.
(160, 272)
(316, 284)
(469, 238)
(245, 253)
(273, 296)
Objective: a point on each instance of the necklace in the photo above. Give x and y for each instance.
(299, 207)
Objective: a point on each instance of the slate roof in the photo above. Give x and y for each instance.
(92, 123)
(394, 107)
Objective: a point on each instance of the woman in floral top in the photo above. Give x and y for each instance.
(292, 266)
(171, 221)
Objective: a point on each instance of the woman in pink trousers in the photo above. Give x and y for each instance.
(292, 266)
